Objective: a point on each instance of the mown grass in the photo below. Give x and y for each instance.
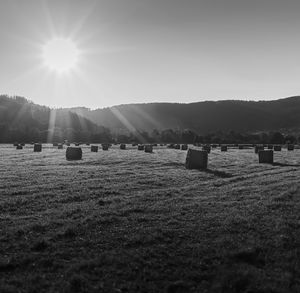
(127, 221)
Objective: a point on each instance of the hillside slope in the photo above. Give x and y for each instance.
(201, 117)
(21, 120)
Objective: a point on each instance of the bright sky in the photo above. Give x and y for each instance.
(98, 53)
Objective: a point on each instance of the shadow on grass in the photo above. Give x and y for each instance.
(285, 165)
(217, 173)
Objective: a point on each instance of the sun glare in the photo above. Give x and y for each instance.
(60, 55)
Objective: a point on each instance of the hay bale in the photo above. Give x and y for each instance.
(141, 147)
(60, 146)
(184, 147)
(123, 146)
(19, 147)
(277, 148)
(206, 148)
(177, 147)
(258, 148)
(265, 156)
(270, 146)
(196, 159)
(223, 148)
(37, 147)
(171, 146)
(94, 148)
(105, 146)
(148, 148)
(290, 147)
(73, 153)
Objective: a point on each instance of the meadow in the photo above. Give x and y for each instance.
(130, 221)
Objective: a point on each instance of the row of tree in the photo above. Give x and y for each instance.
(188, 136)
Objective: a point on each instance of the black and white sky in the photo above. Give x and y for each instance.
(136, 51)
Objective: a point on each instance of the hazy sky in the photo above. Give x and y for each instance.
(151, 50)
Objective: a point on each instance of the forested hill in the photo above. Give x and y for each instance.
(201, 117)
(23, 121)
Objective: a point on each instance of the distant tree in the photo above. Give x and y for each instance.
(290, 139)
(188, 136)
(277, 138)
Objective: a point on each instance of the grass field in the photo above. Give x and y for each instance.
(130, 221)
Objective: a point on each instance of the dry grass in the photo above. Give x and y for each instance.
(129, 221)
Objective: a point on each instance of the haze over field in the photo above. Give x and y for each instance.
(98, 53)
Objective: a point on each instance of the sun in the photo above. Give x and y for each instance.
(60, 55)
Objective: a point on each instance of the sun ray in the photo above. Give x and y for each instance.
(127, 124)
(50, 22)
(146, 116)
(81, 22)
(51, 125)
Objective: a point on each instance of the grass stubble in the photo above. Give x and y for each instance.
(129, 221)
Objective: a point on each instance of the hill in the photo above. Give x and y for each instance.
(24, 121)
(201, 117)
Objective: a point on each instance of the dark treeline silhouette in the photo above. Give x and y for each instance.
(24, 121)
(190, 137)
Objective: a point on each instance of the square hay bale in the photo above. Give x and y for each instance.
(277, 148)
(265, 156)
(123, 146)
(141, 147)
(270, 146)
(73, 153)
(148, 148)
(184, 147)
(177, 147)
(258, 148)
(19, 147)
(94, 148)
(290, 147)
(196, 159)
(37, 147)
(105, 146)
(223, 148)
(60, 146)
